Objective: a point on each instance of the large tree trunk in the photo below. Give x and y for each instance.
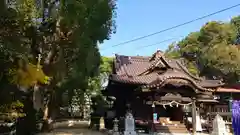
(46, 111)
(27, 124)
(2, 6)
(47, 123)
(37, 98)
(50, 112)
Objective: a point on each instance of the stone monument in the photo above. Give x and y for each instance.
(219, 127)
(101, 124)
(115, 127)
(198, 122)
(129, 125)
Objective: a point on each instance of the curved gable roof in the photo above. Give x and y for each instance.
(146, 70)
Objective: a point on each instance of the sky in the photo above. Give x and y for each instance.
(136, 18)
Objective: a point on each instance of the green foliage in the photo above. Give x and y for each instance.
(11, 111)
(106, 64)
(190, 43)
(65, 33)
(92, 86)
(212, 49)
(192, 68)
(225, 59)
(235, 21)
(236, 24)
(28, 76)
(172, 51)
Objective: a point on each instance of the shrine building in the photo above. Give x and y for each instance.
(164, 96)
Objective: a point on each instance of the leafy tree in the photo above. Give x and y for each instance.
(223, 60)
(212, 50)
(12, 111)
(235, 21)
(173, 51)
(92, 87)
(65, 33)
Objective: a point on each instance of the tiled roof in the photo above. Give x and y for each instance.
(155, 72)
(234, 88)
(228, 90)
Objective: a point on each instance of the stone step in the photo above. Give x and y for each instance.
(176, 129)
(176, 122)
(172, 131)
(170, 128)
(173, 134)
(171, 125)
(180, 128)
(169, 131)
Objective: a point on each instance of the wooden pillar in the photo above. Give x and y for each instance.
(194, 116)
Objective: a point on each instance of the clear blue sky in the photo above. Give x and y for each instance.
(136, 18)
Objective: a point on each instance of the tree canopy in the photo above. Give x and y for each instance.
(53, 43)
(212, 51)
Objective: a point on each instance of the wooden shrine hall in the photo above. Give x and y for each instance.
(163, 95)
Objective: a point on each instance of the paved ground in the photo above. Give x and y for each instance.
(88, 132)
(81, 128)
(72, 131)
(72, 128)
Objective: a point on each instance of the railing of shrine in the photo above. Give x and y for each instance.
(224, 112)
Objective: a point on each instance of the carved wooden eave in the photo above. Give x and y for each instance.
(158, 61)
(178, 81)
(173, 97)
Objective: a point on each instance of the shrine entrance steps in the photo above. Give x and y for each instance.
(174, 127)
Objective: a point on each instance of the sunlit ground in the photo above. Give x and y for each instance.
(72, 131)
(73, 127)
